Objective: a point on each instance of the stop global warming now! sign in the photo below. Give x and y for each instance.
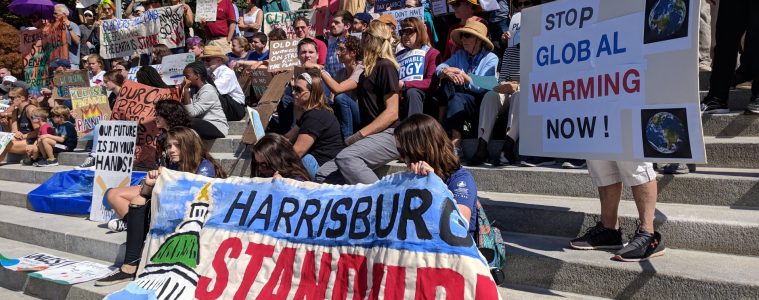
(611, 80)
(243, 238)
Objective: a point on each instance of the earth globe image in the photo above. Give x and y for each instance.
(666, 17)
(665, 133)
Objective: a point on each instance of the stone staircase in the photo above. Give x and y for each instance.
(709, 221)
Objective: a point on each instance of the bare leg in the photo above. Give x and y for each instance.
(48, 145)
(41, 147)
(610, 196)
(15, 147)
(119, 198)
(645, 199)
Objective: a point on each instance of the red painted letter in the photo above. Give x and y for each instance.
(347, 262)
(234, 247)
(309, 288)
(257, 253)
(283, 274)
(428, 279)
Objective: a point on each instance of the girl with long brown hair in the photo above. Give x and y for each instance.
(273, 156)
(426, 148)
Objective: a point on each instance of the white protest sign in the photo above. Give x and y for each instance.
(37, 262)
(600, 77)
(132, 74)
(124, 37)
(79, 272)
(114, 159)
(412, 64)
(284, 20)
(206, 10)
(514, 26)
(172, 66)
(414, 12)
(283, 55)
(5, 139)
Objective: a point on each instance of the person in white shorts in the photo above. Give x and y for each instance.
(608, 177)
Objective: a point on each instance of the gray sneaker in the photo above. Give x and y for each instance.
(673, 168)
(88, 164)
(753, 106)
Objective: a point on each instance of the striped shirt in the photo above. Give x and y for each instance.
(510, 64)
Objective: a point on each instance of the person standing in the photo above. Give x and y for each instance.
(373, 145)
(221, 31)
(274, 5)
(251, 21)
(88, 24)
(361, 22)
(73, 34)
(339, 28)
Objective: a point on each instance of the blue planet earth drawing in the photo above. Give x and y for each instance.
(667, 17)
(666, 133)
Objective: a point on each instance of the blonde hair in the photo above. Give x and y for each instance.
(377, 45)
(40, 113)
(61, 110)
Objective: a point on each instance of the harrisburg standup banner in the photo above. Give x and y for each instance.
(611, 80)
(252, 238)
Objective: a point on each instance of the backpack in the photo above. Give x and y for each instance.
(490, 243)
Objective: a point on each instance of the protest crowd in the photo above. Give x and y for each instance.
(339, 88)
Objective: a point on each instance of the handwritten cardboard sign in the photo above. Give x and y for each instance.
(39, 48)
(67, 79)
(87, 117)
(136, 102)
(114, 160)
(283, 55)
(85, 96)
(206, 10)
(260, 80)
(124, 37)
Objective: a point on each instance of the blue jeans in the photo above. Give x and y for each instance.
(311, 165)
(346, 110)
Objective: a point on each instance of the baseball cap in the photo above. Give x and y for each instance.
(388, 19)
(60, 63)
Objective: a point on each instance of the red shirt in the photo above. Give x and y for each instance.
(225, 14)
(321, 49)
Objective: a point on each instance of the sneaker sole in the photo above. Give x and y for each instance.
(657, 254)
(717, 112)
(614, 247)
(109, 283)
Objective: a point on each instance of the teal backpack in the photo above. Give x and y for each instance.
(490, 242)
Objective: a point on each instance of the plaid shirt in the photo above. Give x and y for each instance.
(332, 65)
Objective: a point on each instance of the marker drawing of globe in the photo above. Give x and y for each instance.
(665, 133)
(666, 17)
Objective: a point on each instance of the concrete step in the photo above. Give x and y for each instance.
(544, 261)
(709, 186)
(14, 193)
(737, 99)
(74, 235)
(696, 227)
(729, 125)
(25, 287)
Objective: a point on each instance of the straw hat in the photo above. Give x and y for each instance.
(476, 3)
(474, 28)
(214, 51)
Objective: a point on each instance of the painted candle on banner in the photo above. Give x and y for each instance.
(88, 117)
(124, 37)
(172, 66)
(67, 79)
(205, 10)
(284, 20)
(283, 55)
(400, 14)
(36, 262)
(598, 86)
(136, 102)
(412, 64)
(114, 160)
(79, 272)
(245, 238)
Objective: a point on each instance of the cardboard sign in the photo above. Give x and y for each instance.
(86, 96)
(381, 6)
(600, 86)
(114, 160)
(206, 10)
(39, 48)
(284, 20)
(35, 262)
(283, 55)
(252, 238)
(124, 37)
(412, 64)
(79, 272)
(414, 12)
(260, 80)
(64, 80)
(269, 100)
(136, 102)
(86, 118)
(172, 66)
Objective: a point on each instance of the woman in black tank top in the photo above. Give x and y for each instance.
(24, 134)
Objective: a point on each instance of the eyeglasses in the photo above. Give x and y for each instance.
(466, 35)
(522, 3)
(407, 31)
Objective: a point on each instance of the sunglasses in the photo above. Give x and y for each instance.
(407, 31)
(466, 35)
(523, 3)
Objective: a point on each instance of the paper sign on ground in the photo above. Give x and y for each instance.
(79, 272)
(114, 160)
(602, 85)
(246, 238)
(136, 102)
(125, 37)
(172, 67)
(283, 55)
(205, 10)
(35, 262)
(86, 118)
(67, 79)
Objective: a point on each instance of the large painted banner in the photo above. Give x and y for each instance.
(136, 102)
(284, 20)
(243, 238)
(39, 48)
(114, 160)
(611, 80)
(124, 37)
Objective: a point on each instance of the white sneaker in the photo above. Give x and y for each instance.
(117, 225)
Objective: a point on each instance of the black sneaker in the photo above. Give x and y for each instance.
(574, 164)
(481, 155)
(598, 237)
(534, 161)
(88, 164)
(510, 150)
(753, 106)
(115, 277)
(673, 169)
(713, 106)
(29, 162)
(643, 246)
